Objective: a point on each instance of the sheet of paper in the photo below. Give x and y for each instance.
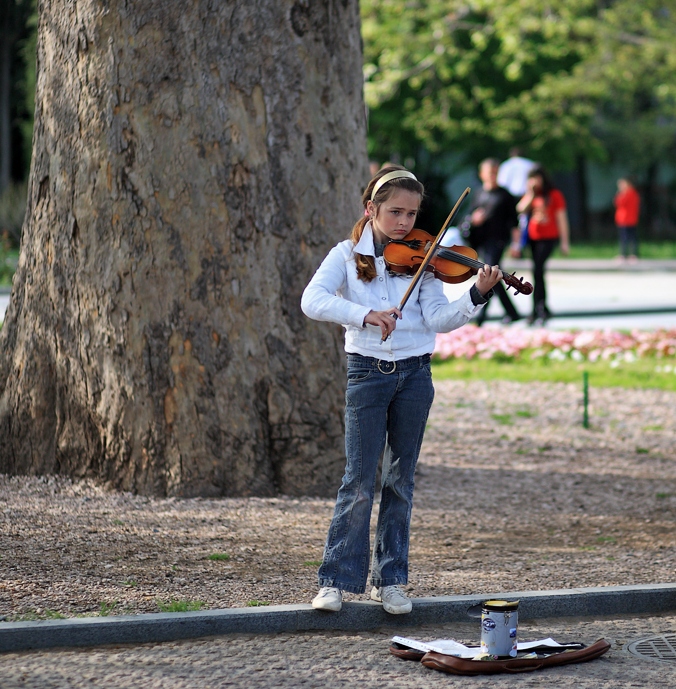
(445, 646)
(454, 648)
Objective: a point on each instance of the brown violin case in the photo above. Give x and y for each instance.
(463, 666)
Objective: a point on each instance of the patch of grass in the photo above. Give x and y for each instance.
(257, 603)
(131, 583)
(526, 413)
(662, 496)
(606, 539)
(642, 451)
(224, 557)
(587, 547)
(504, 419)
(653, 428)
(638, 374)
(106, 608)
(180, 605)
(118, 522)
(654, 250)
(33, 616)
(312, 563)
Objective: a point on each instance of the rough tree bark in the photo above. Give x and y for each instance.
(193, 162)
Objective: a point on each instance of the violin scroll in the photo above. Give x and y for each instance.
(518, 284)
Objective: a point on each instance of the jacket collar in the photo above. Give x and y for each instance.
(365, 245)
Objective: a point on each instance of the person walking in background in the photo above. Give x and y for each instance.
(493, 224)
(627, 207)
(547, 228)
(513, 175)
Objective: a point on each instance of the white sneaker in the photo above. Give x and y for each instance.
(394, 600)
(328, 598)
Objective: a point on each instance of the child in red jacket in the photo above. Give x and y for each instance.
(627, 206)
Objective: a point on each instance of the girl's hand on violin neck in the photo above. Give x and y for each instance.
(385, 320)
(487, 278)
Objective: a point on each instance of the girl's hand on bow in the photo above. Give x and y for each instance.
(385, 320)
(487, 278)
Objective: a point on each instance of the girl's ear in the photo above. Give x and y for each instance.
(371, 209)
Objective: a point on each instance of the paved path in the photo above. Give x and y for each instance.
(588, 295)
(585, 288)
(335, 660)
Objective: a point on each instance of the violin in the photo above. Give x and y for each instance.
(453, 265)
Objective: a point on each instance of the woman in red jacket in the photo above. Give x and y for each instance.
(627, 207)
(547, 228)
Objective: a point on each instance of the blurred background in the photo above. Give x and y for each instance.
(587, 88)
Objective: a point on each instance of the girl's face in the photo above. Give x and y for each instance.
(394, 218)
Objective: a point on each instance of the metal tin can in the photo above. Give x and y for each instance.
(499, 624)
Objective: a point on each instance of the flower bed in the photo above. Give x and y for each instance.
(472, 342)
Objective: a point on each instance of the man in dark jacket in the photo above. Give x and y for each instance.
(493, 225)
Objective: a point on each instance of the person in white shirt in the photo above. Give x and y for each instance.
(513, 176)
(513, 173)
(389, 386)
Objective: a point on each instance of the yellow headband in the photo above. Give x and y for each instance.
(395, 174)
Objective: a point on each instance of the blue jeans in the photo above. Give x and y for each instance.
(386, 409)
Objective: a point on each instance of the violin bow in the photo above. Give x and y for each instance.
(430, 254)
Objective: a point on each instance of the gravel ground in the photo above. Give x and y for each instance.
(512, 494)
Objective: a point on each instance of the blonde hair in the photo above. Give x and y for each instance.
(366, 265)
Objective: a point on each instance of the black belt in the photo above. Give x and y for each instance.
(385, 366)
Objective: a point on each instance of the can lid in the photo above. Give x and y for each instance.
(500, 605)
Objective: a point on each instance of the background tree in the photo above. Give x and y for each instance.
(192, 164)
(476, 76)
(568, 82)
(15, 70)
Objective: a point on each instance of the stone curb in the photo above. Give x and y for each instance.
(357, 616)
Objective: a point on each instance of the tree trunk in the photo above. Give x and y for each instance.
(192, 165)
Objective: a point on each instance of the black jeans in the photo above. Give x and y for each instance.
(628, 240)
(491, 253)
(541, 249)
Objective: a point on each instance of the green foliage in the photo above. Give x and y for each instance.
(8, 261)
(34, 615)
(180, 605)
(642, 373)
(219, 556)
(651, 250)
(12, 211)
(257, 603)
(106, 608)
(561, 79)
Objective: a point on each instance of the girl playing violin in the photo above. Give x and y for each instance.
(389, 386)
